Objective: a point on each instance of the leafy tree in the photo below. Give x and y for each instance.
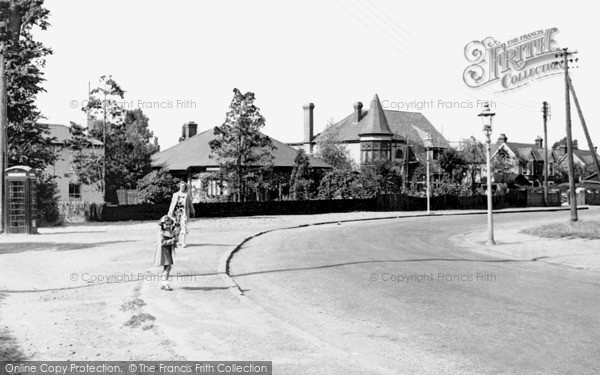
(453, 164)
(28, 141)
(87, 156)
(47, 200)
(503, 165)
(474, 154)
(386, 176)
(239, 146)
(331, 151)
(157, 187)
(22, 58)
(418, 176)
(300, 180)
(128, 142)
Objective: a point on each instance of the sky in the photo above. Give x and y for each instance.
(180, 60)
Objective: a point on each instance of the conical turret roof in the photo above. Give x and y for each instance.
(375, 121)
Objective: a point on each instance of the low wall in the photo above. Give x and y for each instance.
(79, 211)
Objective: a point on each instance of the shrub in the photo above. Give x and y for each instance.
(47, 201)
(157, 187)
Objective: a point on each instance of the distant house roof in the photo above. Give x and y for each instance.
(585, 156)
(524, 151)
(196, 152)
(405, 126)
(62, 134)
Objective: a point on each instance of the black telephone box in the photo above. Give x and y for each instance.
(20, 200)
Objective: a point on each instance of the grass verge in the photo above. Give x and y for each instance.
(589, 230)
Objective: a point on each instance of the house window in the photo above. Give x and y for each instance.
(436, 154)
(75, 191)
(399, 154)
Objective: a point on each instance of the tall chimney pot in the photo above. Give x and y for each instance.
(357, 111)
(308, 127)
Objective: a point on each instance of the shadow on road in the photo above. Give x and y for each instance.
(204, 288)
(387, 261)
(19, 247)
(208, 244)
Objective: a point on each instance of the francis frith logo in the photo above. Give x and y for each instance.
(514, 63)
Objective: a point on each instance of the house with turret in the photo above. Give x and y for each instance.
(377, 134)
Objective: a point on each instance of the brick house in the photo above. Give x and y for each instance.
(69, 188)
(378, 134)
(527, 159)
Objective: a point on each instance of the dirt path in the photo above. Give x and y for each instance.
(54, 316)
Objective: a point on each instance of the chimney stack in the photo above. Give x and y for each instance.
(502, 139)
(308, 127)
(188, 130)
(357, 111)
(575, 146)
(539, 141)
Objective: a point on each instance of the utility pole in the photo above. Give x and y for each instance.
(572, 195)
(545, 108)
(3, 135)
(104, 147)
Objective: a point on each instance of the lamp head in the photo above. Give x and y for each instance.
(486, 116)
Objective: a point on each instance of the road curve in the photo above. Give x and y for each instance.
(399, 294)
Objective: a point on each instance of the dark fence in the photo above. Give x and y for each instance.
(512, 199)
(135, 212)
(388, 202)
(154, 212)
(592, 197)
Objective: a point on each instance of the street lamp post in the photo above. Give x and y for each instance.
(428, 144)
(487, 116)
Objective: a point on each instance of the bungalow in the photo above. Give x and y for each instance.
(191, 160)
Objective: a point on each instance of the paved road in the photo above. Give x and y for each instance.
(401, 296)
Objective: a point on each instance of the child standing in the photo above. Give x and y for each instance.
(164, 250)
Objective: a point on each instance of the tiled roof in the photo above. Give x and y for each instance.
(585, 156)
(375, 121)
(523, 151)
(195, 152)
(404, 125)
(62, 134)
